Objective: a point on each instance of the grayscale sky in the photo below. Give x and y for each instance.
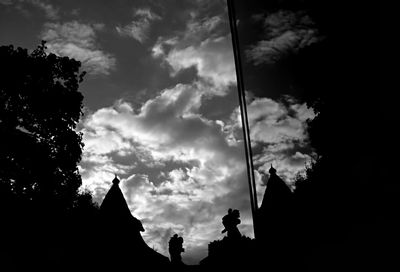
(161, 108)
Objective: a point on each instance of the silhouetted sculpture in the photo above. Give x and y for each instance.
(124, 240)
(175, 249)
(230, 222)
(234, 251)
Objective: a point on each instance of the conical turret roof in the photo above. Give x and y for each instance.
(114, 205)
(124, 239)
(275, 213)
(277, 192)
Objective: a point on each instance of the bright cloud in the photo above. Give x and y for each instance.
(78, 41)
(180, 154)
(181, 171)
(213, 59)
(140, 25)
(169, 128)
(208, 170)
(279, 131)
(204, 45)
(272, 122)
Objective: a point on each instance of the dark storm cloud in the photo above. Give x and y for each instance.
(285, 32)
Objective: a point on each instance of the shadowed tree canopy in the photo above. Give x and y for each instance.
(42, 212)
(40, 106)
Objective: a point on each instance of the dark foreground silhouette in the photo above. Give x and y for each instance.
(43, 216)
(343, 216)
(233, 251)
(124, 239)
(175, 249)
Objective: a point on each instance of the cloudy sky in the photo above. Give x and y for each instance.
(161, 108)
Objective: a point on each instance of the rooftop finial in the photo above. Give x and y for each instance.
(272, 170)
(115, 180)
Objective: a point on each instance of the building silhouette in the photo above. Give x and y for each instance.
(275, 224)
(276, 207)
(123, 242)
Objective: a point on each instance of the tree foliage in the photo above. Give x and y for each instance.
(40, 106)
(42, 211)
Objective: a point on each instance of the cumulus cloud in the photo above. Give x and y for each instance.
(278, 136)
(78, 41)
(159, 48)
(197, 30)
(140, 25)
(284, 32)
(212, 58)
(181, 171)
(190, 198)
(207, 172)
(204, 45)
(273, 122)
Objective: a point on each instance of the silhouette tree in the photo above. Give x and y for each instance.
(345, 195)
(342, 197)
(40, 108)
(40, 205)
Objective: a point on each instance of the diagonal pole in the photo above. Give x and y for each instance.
(243, 114)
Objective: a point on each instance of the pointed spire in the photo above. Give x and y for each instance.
(115, 180)
(276, 193)
(272, 170)
(125, 229)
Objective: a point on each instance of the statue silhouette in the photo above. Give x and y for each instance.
(233, 251)
(230, 222)
(175, 249)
